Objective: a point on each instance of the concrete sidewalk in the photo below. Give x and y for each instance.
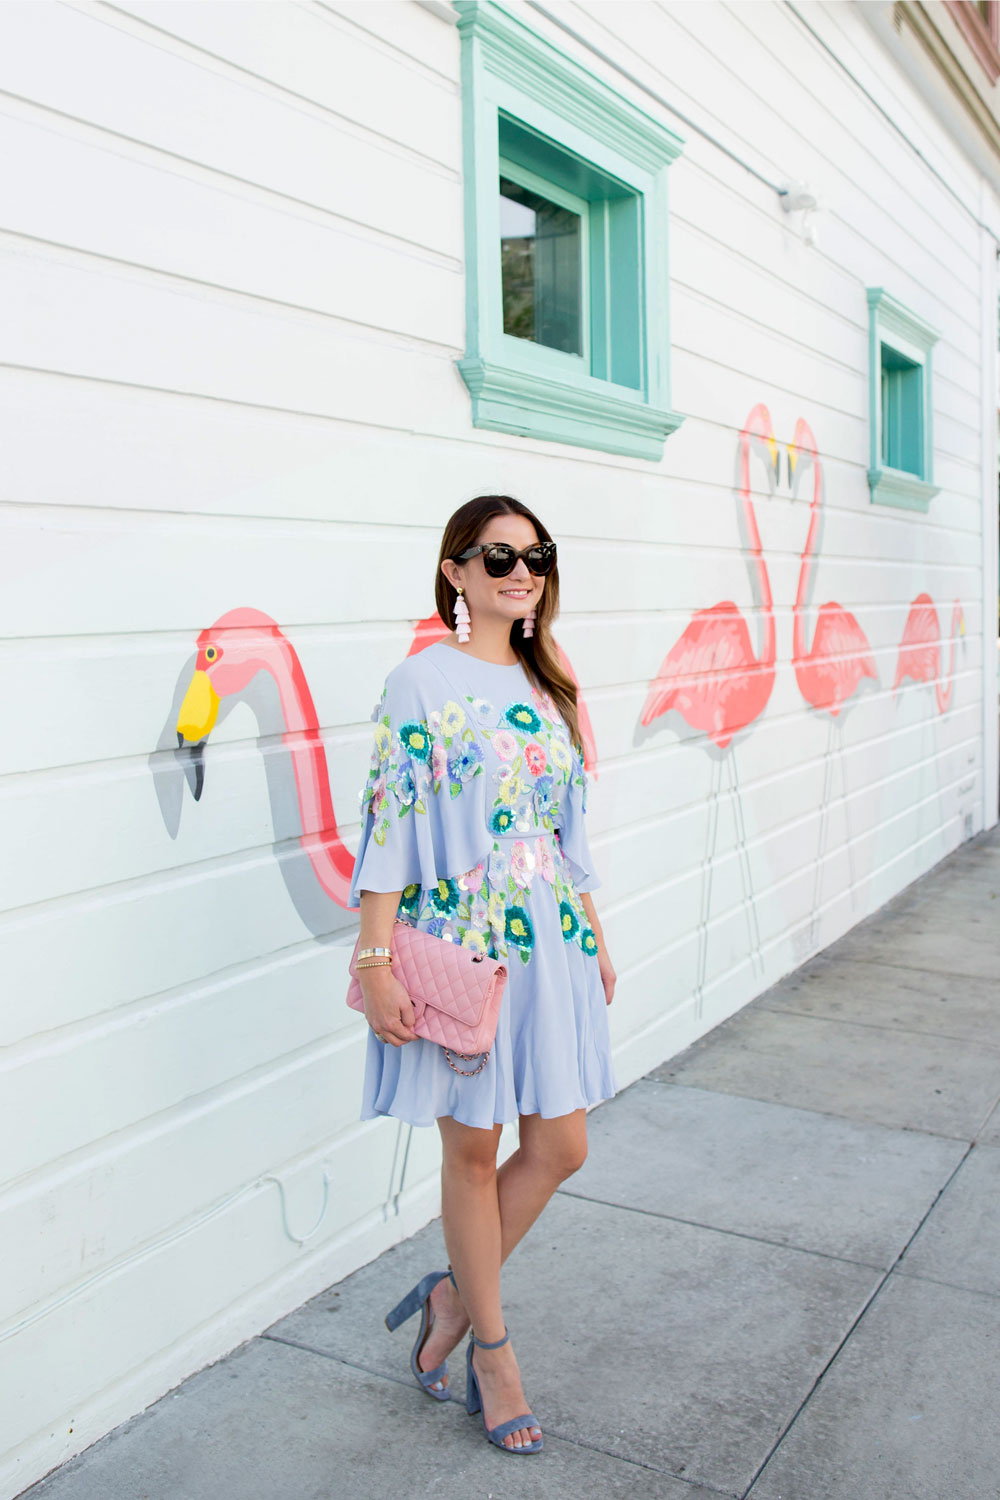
(777, 1276)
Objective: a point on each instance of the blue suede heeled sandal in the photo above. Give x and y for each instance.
(417, 1296)
(474, 1403)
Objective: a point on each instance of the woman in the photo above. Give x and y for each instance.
(473, 831)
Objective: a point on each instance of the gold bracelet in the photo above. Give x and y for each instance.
(371, 952)
(374, 963)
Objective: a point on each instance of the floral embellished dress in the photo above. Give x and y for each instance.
(474, 809)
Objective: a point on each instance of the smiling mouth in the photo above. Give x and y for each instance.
(514, 593)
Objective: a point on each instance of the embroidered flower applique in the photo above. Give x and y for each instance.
(418, 759)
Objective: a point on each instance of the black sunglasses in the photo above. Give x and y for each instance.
(499, 558)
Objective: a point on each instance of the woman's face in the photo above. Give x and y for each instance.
(507, 598)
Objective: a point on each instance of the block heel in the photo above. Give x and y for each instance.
(419, 1297)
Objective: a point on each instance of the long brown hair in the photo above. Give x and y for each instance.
(538, 652)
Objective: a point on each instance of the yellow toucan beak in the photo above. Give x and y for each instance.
(199, 710)
(772, 448)
(793, 458)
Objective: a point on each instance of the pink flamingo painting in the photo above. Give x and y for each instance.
(920, 659)
(712, 677)
(837, 663)
(231, 652)
(920, 649)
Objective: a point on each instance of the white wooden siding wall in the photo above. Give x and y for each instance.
(232, 299)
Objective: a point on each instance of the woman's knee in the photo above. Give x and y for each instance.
(572, 1158)
(469, 1154)
(557, 1154)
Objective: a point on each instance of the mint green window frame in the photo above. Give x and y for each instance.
(900, 404)
(525, 101)
(558, 359)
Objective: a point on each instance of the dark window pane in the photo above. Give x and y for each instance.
(540, 269)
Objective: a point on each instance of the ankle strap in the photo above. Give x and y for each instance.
(482, 1343)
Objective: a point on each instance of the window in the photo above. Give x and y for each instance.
(902, 449)
(566, 240)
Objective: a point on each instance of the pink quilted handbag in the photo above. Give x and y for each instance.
(455, 992)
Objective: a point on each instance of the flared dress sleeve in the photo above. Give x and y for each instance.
(571, 823)
(423, 804)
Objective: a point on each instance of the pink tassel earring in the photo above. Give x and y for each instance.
(461, 617)
(529, 623)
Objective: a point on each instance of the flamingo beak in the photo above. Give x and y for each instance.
(195, 722)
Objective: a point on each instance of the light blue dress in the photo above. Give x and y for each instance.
(474, 808)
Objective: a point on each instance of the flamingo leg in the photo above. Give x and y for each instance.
(942, 814)
(823, 818)
(746, 873)
(706, 887)
(400, 1157)
(842, 757)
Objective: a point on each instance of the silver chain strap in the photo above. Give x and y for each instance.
(466, 1058)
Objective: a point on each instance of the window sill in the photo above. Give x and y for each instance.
(507, 399)
(895, 487)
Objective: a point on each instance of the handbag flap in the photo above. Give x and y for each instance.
(439, 975)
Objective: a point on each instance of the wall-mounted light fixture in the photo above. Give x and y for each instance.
(798, 197)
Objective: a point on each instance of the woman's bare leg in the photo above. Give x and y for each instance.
(507, 1202)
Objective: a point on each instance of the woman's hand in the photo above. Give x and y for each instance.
(388, 1008)
(604, 964)
(607, 971)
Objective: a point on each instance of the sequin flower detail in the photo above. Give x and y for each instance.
(501, 820)
(505, 744)
(560, 753)
(522, 716)
(444, 896)
(409, 901)
(405, 787)
(439, 761)
(415, 738)
(568, 921)
(518, 929)
(464, 761)
(588, 940)
(534, 757)
(542, 795)
(544, 863)
(522, 864)
(452, 718)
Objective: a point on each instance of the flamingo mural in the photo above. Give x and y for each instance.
(838, 662)
(920, 649)
(920, 658)
(713, 679)
(231, 652)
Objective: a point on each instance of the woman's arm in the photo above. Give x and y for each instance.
(378, 916)
(604, 963)
(388, 1009)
